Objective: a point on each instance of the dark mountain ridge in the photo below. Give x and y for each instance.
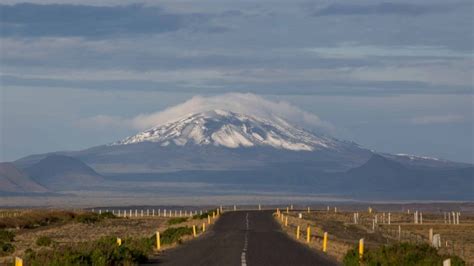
(62, 172)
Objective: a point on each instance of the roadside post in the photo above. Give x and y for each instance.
(18, 261)
(308, 234)
(361, 248)
(325, 242)
(158, 241)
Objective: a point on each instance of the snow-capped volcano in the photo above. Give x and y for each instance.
(232, 130)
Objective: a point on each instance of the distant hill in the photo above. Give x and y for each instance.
(384, 177)
(14, 180)
(63, 172)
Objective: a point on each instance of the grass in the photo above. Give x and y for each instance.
(344, 234)
(174, 234)
(107, 215)
(6, 247)
(34, 219)
(56, 237)
(44, 241)
(6, 236)
(177, 220)
(104, 251)
(400, 254)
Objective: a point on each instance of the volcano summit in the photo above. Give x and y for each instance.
(223, 147)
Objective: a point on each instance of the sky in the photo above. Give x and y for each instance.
(393, 76)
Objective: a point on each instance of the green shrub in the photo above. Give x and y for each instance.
(37, 218)
(177, 220)
(91, 217)
(107, 215)
(400, 254)
(6, 236)
(351, 258)
(172, 235)
(44, 241)
(104, 251)
(6, 248)
(88, 218)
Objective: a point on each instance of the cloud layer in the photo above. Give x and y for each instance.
(437, 119)
(64, 20)
(248, 103)
(404, 9)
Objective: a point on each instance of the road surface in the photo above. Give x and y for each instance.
(243, 238)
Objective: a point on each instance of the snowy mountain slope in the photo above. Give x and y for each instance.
(232, 130)
(220, 140)
(226, 148)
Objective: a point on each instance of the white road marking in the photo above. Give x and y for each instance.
(243, 260)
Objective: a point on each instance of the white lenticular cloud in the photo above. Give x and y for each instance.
(249, 104)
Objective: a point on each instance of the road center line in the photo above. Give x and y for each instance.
(243, 260)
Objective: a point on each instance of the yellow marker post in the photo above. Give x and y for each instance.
(158, 241)
(18, 261)
(208, 219)
(286, 220)
(194, 230)
(309, 210)
(325, 242)
(278, 212)
(308, 234)
(203, 227)
(361, 248)
(298, 232)
(119, 241)
(287, 210)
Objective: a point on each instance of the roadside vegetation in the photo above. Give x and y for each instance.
(400, 240)
(174, 234)
(35, 219)
(400, 254)
(104, 251)
(91, 217)
(177, 220)
(55, 237)
(44, 241)
(6, 247)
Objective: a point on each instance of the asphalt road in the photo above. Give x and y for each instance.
(243, 238)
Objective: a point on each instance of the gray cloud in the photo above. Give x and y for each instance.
(34, 20)
(437, 119)
(277, 87)
(406, 9)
